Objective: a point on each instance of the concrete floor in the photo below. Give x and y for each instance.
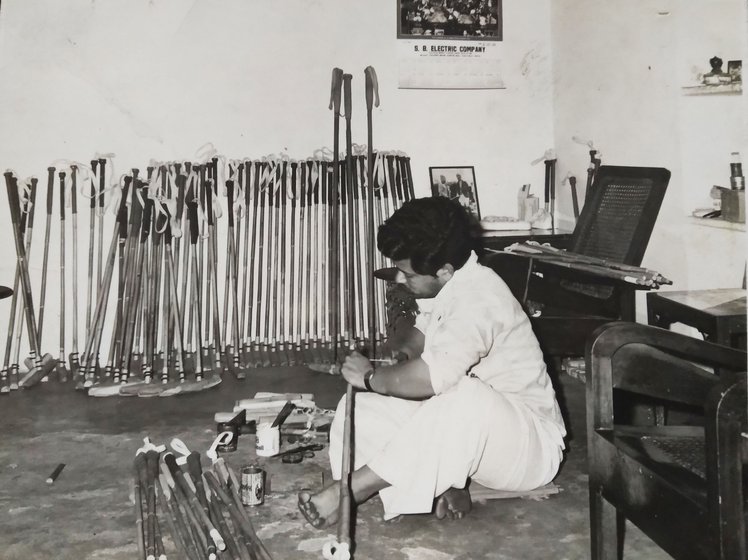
(87, 512)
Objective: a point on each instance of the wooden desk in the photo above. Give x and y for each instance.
(719, 315)
(498, 240)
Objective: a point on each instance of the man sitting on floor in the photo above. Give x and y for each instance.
(472, 402)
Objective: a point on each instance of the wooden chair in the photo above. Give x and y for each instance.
(615, 224)
(684, 486)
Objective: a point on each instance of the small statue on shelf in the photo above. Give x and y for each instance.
(716, 76)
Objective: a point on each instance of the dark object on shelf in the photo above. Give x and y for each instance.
(617, 220)
(5, 292)
(683, 486)
(733, 205)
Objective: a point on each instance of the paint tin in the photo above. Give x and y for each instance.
(268, 440)
(252, 486)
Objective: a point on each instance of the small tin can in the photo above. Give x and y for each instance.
(267, 443)
(252, 486)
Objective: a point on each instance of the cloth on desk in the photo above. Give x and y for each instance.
(494, 417)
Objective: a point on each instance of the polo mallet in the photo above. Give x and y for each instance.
(337, 83)
(45, 261)
(62, 373)
(550, 184)
(294, 353)
(272, 260)
(213, 283)
(41, 367)
(593, 165)
(91, 245)
(174, 302)
(246, 274)
(203, 378)
(74, 360)
(231, 265)
(28, 216)
(135, 308)
(410, 193)
(311, 303)
(195, 283)
(281, 286)
(229, 268)
(574, 200)
(93, 341)
(347, 190)
(372, 100)
(252, 356)
(100, 198)
(260, 344)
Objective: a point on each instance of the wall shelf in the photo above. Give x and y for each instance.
(712, 90)
(717, 223)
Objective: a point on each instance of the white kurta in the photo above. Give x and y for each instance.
(494, 417)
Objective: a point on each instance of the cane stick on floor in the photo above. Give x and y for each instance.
(342, 549)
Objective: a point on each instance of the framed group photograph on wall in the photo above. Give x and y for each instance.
(450, 19)
(457, 183)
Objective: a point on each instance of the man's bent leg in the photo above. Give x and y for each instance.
(321, 509)
(455, 503)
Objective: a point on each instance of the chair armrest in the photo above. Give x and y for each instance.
(726, 423)
(680, 381)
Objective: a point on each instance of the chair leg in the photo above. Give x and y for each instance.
(606, 528)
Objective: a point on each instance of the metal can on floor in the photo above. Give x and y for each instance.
(252, 486)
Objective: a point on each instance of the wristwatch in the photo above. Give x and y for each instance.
(367, 380)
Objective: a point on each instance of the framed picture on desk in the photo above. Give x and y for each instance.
(457, 183)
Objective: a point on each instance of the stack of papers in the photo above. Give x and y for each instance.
(504, 223)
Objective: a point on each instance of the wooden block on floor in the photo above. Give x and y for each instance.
(480, 493)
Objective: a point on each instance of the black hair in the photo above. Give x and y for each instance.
(431, 232)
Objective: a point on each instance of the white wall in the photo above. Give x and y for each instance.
(157, 79)
(618, 70)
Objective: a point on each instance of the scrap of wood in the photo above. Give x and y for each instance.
(480, 493)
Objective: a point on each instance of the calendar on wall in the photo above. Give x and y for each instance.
(449, 44)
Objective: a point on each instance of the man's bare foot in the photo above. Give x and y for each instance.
(320, 509)
(454, 503)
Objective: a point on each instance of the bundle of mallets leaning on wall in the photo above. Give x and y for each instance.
(211, 266)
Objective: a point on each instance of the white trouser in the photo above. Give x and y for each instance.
(423, 448)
